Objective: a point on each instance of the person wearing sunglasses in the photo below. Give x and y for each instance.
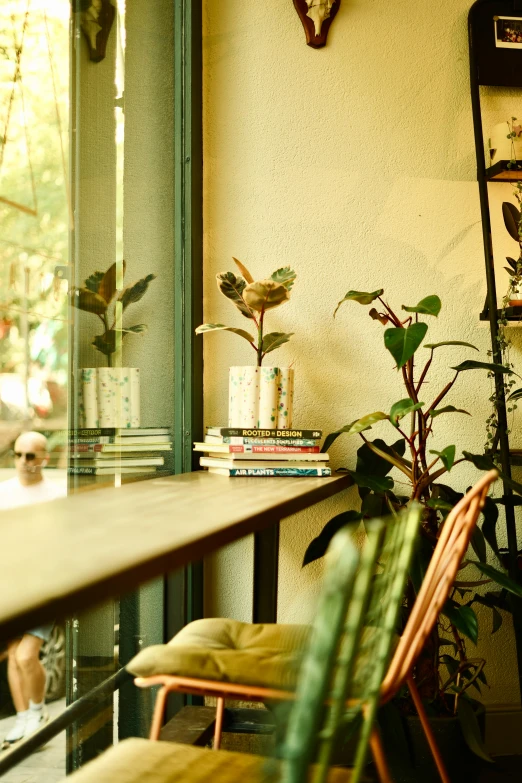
(25, 673)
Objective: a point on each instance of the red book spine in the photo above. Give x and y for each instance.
(86, 447)
(273, 449)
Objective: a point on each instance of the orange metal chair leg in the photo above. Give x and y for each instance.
(159, 713)
(218, 730)
(427, 729)
(379, 757)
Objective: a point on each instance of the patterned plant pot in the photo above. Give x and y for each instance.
(261, 397)
(110, 397)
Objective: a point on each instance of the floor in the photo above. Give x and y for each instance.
(46, 765)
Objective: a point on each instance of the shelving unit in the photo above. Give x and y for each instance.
(495, 66)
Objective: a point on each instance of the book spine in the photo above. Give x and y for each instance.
(94, 433)
(91, 441)
(271, 441)
(256, 433)
(81, 470)
(83, 447)
(273, 449)
(279, 471)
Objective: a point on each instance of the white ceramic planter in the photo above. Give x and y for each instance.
(110, 397)
(261, 397)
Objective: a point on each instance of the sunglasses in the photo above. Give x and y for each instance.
(29, 455)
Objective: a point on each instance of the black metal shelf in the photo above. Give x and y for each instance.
(512, 314)
(505, 171)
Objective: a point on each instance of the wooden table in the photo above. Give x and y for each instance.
(58, 558)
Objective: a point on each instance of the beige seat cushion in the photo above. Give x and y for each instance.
(228, 651)
(138, 760)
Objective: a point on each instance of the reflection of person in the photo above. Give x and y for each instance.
(25, 672)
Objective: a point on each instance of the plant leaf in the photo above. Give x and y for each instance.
(470, 364)
(274, 340)
(285, 276)
(93, 281)
(375, 483)
(88, 301)
(499, 577)
(489, 526)
(448, 409)
(107, 287)
(359, 425)
(511, 219)
(512, 263)
(402, 343)
(447, 456)
(107, 342)
(402, 408)
(318, 546)
(450, 342)
(481, 461)
(244, 271)
(377, 316)
(137, 329)
(478, 543)
(463, 618)
(363, 297)
(430, 305)
(232, 287)
(374, 464)
(135, 291)
(439, 504)
(222, 328)
(515, 395)
(264, 295)
(471, 729)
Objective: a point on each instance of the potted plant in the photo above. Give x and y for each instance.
(110, 395)
(259, 396)
(422, 465)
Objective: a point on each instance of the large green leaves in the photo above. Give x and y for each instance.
(264, 295)
(470, 364)
(107, 342)
(499, 577)
(232, 287)
(107, 286)
(403, 408)
(402, 343)
(134, 292)
(515, 395)
(93, 281)
(430, 305)
(274, 340)
(244, 271)
(318, 546)
(363, 297)
(511, 219)
(285, 276)
(375, 483)
(359, 425)
(449, 342)
(447, 456)
(448, 409)
(222, 328)
(463, 618)
(489, 526)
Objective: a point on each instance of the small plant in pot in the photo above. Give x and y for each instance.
(422, 465)
(259, 396)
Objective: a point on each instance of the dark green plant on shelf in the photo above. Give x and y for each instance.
(253, 299)
(421, 468)
(98, 296)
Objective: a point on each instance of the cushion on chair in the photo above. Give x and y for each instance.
(138, 760)
(228, 651)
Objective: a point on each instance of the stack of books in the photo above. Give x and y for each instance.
(250, 452)
(107, 451)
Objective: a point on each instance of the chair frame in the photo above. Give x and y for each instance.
(440, 575)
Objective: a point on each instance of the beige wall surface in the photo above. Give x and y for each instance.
(355, 165)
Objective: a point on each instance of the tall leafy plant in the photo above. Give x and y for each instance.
(421, 467)
(253, 299)
(98, 296)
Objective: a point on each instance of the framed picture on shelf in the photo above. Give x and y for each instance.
(508, 32)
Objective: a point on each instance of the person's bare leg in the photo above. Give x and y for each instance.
(15, 679)
(29, 664)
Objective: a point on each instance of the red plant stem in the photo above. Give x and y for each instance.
(260, 339)
(441, 396)
(424, 372)
(391, 314)
(459, 643)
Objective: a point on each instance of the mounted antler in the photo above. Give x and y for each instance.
(316, 16)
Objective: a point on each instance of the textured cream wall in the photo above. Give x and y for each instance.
(354, 164)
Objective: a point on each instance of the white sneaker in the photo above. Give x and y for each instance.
(18, 730)
(35, 720)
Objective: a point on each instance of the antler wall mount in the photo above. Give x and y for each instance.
(316, 17)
